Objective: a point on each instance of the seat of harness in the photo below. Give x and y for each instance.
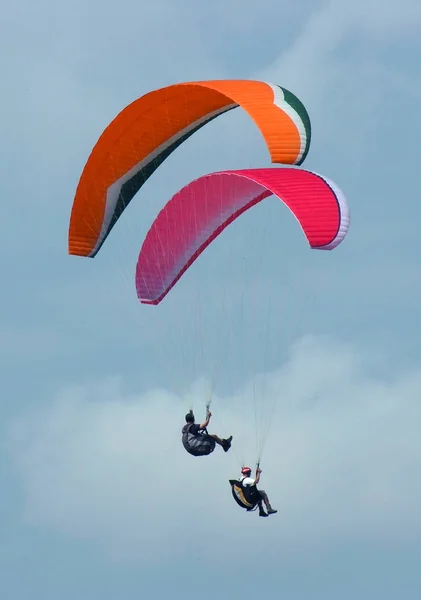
(246, 497)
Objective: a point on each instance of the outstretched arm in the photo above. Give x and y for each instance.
(258, 471)
(206, 423)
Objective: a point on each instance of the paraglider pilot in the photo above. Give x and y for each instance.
(249, 482)
(196, 439)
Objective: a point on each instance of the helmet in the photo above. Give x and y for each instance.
(245, 470)
(190, 417)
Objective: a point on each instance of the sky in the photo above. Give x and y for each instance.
(312, 358)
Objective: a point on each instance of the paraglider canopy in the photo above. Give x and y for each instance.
(200, 211)
(148, 130)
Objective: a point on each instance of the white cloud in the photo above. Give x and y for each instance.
(338, 68)
(342, 461)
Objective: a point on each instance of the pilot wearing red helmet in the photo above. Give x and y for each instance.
(248, 482)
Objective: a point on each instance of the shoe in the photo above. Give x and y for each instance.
(271, 511)
(226, 444)
(262, 513)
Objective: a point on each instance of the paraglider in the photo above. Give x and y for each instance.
(145, 133)
(133, 146)
(196, 439)
(200, 211)
(246, 494)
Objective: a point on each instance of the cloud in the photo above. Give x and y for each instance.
(341, 462)
(350, 68)
(103, 463)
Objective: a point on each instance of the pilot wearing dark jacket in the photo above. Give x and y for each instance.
(196, 439)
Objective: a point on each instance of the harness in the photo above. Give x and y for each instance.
(200, 444)
(246, 496)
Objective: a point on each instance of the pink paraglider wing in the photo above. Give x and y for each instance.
(201, 210)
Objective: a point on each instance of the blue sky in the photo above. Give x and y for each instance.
(99, 500)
